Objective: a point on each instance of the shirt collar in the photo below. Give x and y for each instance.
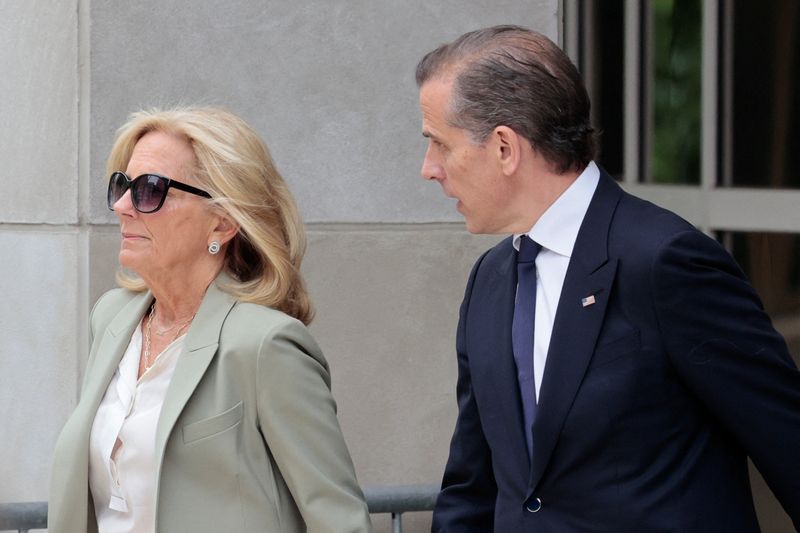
(557, 228)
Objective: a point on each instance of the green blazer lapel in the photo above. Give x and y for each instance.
(201, 345)
(110, 349)
(105, 357)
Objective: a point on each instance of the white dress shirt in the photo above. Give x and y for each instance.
(122, 478)
(556, 231)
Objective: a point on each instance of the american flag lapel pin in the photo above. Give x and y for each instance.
(589, 300)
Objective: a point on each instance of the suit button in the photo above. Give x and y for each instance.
(534, 505)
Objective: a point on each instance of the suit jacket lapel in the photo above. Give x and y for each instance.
(507, 367)
(202, 341)
(576, 326)
(495, 299)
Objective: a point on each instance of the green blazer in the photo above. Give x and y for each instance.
(247, 439)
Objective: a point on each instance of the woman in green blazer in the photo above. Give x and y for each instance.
(206, 404)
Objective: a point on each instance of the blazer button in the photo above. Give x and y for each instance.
(534, 505)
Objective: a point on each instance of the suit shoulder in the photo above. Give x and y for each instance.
(260, 316)
(651, 216)
(642, 226)
(489, 260)
(254, 324)
(497, 253)
(109, 304)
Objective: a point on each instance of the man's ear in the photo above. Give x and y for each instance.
(507, 145)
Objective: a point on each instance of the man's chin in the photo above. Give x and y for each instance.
(485, 227)
(478, 227)
(473, 227)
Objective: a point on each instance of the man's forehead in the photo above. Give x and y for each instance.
(434, 97)
(429, 122)
(437, 84)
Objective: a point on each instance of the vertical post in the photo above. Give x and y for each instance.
(725, 91)
(397, 523)
(589, 54)
(570, 30)
(709, 107)
(632, 113)
(708, 178)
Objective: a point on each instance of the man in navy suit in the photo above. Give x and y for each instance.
(615, 367)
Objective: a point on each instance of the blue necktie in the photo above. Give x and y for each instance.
(522, 332)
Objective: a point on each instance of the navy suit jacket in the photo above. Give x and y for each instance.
(652, 398)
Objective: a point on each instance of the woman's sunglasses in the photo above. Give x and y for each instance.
(148, 191)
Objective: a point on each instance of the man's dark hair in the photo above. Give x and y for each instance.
(512, 76)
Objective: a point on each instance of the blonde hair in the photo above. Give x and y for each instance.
(235, 167)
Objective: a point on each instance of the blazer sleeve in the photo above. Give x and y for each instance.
(724, 347)
(297, 414)
(466, 502)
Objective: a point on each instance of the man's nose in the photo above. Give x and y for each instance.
(431, 170)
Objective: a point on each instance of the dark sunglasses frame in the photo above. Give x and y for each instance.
(134, 185)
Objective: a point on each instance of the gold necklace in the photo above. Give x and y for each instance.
(147, 363)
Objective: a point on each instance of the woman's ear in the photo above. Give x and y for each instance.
(225, 229)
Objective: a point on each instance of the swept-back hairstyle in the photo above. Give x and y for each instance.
(234, 165)
(512, 76)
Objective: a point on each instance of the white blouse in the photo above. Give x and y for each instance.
(122, 462)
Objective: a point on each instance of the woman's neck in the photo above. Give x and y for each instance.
(178, 293)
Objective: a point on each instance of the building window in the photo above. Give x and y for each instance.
(759, 94)
(692, 92)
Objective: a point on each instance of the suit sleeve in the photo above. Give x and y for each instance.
(727, 352)
(297, 414)
(467, 499)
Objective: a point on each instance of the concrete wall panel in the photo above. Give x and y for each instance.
(329, 85)
(388, 331)
(387, 307)
(39, 134)
(37, 355)
(104, 243)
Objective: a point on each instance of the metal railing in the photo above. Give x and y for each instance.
(396, 500)
(399, 499)
(23, 516)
